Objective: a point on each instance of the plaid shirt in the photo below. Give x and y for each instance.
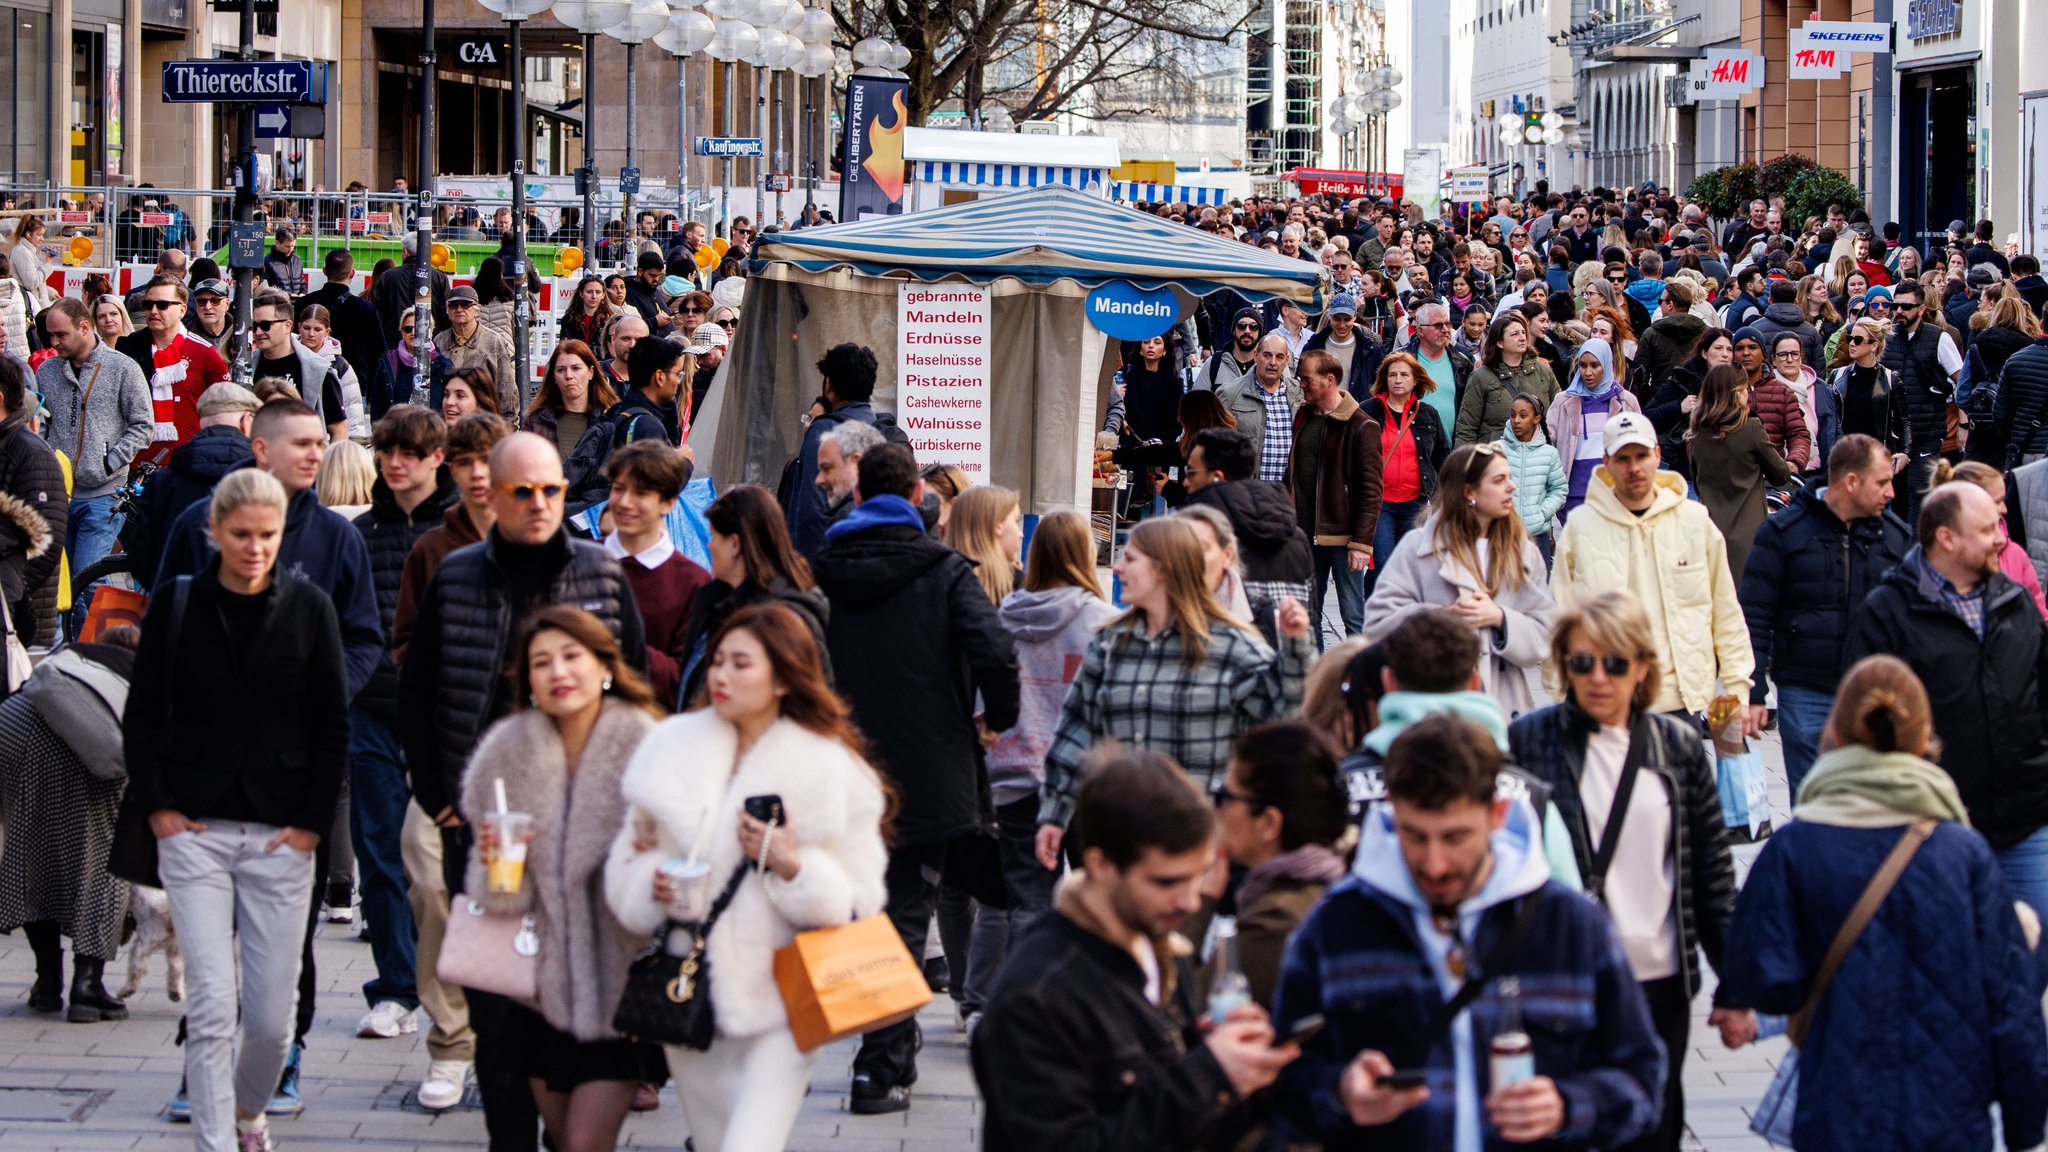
(1278, 447)
(1966, 606)
(1133, 688)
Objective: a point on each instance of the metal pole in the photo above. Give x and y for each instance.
(760, 132)
(682, 141)
(811, 144)
(781, 144)
(590, 233)
(423, 221)
(521, 353)
(1881, 133)
(725, 129)
(625, 197)
(245, 207)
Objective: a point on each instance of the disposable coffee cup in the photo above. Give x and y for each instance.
(690, 880)
(505, 862)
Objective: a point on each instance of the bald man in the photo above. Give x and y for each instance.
(1264, 405)
(452, 683)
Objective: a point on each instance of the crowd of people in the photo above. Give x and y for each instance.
(1380, 806)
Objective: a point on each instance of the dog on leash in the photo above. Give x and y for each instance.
(154, 933)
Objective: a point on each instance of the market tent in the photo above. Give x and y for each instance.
(1039, 250)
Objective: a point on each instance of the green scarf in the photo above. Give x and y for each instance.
(1862, 787)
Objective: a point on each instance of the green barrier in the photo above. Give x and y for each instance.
(368, 250)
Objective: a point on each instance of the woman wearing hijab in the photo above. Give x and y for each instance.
(1581, 411)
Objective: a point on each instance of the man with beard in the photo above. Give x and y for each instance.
(1235, 360)
(1974, 639)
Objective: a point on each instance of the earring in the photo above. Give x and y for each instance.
(532, 700)
(607, 684)
(1471, 503)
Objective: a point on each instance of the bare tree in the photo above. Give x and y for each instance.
(1037, 58)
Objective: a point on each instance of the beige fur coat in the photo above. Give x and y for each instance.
(584, 950)
(684, 780)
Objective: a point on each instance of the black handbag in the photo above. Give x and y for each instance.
(668, 998)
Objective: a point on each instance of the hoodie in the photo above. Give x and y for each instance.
(1269, 539)
(1645, 291)
(1051, 629)
(195, 467)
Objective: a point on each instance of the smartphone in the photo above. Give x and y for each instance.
(767, 809)
(1404, 1081)
(1304, 1030)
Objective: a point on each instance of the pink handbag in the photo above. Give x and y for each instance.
(490, 952)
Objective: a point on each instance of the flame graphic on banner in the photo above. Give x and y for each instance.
(885, 151)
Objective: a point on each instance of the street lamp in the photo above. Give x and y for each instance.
(687, 34)
(817, 60)
(645, 19)
(516, 14)
(590, 17)
(731, 39)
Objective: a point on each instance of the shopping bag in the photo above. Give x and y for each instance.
(110, 606)
(1772, 1119)
(839, 982)
(1739, 770)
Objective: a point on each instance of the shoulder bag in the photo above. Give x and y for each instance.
(82, 703)
(1773, 1117)
(490, 951)
(668, 998)
(133, 854)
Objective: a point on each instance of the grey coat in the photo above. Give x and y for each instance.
(116, 422)
(1245, 404)
(1418, 576)
(584, 950)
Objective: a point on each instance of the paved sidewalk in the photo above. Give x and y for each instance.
(104, 1086)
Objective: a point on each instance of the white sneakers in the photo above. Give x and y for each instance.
(387, 1020)
(444, 1083)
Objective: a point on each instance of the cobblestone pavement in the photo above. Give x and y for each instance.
(104, 1086)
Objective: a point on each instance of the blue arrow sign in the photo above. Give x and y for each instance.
(245, 81)
(273, 121)
(729, 146)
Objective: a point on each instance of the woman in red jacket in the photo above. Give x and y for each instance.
(1412, 448)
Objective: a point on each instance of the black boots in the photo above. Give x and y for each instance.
(47, 993)
(90, 1000)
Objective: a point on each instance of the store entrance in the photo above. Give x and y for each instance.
(1937, 152)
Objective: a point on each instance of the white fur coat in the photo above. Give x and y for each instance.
(684, 780)
(584, 950)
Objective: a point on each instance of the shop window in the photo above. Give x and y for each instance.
(24, 134)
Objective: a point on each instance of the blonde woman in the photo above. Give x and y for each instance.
(1221, 566)
(346, 477)
(110, 319)
(987, 527)
(1177, 670)
(1472, 556)
(945, 482)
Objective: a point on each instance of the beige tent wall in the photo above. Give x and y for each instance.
(1044, 392)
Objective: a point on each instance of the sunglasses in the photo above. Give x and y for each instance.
(1858, 341)
(266, 325)
(1246, 328)
(524, 492)
(454, 305)
(1220, 794)
(161, 305)
(687, 310)
(728, 325)
(1617, 279)
(1583, 663)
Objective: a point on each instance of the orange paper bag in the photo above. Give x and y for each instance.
(839, 982)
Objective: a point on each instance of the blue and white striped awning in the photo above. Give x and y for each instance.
(1139, 192)
(1009, 175)
(1041, 236)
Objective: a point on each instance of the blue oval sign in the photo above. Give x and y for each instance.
(1124, 311)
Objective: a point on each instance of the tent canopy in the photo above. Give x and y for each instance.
(1042, 236)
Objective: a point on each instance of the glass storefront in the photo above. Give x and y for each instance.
(1937, 151)
(25, 120)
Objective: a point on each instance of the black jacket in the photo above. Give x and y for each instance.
(1782, 319)
(1807, 574)
(189, 477)
(1432, 442)
(2034, 290)
(717, 601)
(356, 325)
(1667, 345)
(270, 722)
(1269, 537)
(636, 417)
(913, 637)
(1986, 694)
(1365, 359)
(1921, 383)
(29, 473)
(2021, 411)
(1550, 744)
(389, 533)
(452, 684)
(397, 290)
(1071, 1057)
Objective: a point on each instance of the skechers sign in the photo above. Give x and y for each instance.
(1124, 311)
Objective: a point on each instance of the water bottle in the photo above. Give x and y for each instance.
(1231, 989)
(1513, 1057)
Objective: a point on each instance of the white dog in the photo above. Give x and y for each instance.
(154, 933)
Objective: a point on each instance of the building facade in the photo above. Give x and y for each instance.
(1505, 60)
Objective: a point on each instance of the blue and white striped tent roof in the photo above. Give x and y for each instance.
(1041, 236)
(1010, 175)
(1139, 192)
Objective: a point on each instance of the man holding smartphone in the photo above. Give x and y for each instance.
(1405, 958)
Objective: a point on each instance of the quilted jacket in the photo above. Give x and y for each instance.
(1931, 1018)
(1550, 744)
(1784, 422)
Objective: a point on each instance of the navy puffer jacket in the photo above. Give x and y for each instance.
(1807, 574)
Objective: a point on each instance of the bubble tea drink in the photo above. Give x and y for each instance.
(505, 853)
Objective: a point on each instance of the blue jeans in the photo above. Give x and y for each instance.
(1333, 563)
(1396, 518)
(2025, 865)
(90, 535)
(1802, 713)
(995, 929)
(378, 789)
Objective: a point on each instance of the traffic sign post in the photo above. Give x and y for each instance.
(728, 147)
(290, 121)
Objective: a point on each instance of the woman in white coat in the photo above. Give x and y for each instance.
(773, 728)
(1473, 556)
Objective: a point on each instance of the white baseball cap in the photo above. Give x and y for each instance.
(1625, 428)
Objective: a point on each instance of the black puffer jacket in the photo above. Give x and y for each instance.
(1920, 381)
(1807, 574)
(1269, 540)
(1986, 694)
(29, 473)
(452, 684)
(1550, 744)
(194, 469)
(1667, 345)
(913, 637)
(2022, 408)
(389, 532)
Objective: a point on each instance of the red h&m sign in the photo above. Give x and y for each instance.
(1730, 71)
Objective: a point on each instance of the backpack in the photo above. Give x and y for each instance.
(786, 484)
